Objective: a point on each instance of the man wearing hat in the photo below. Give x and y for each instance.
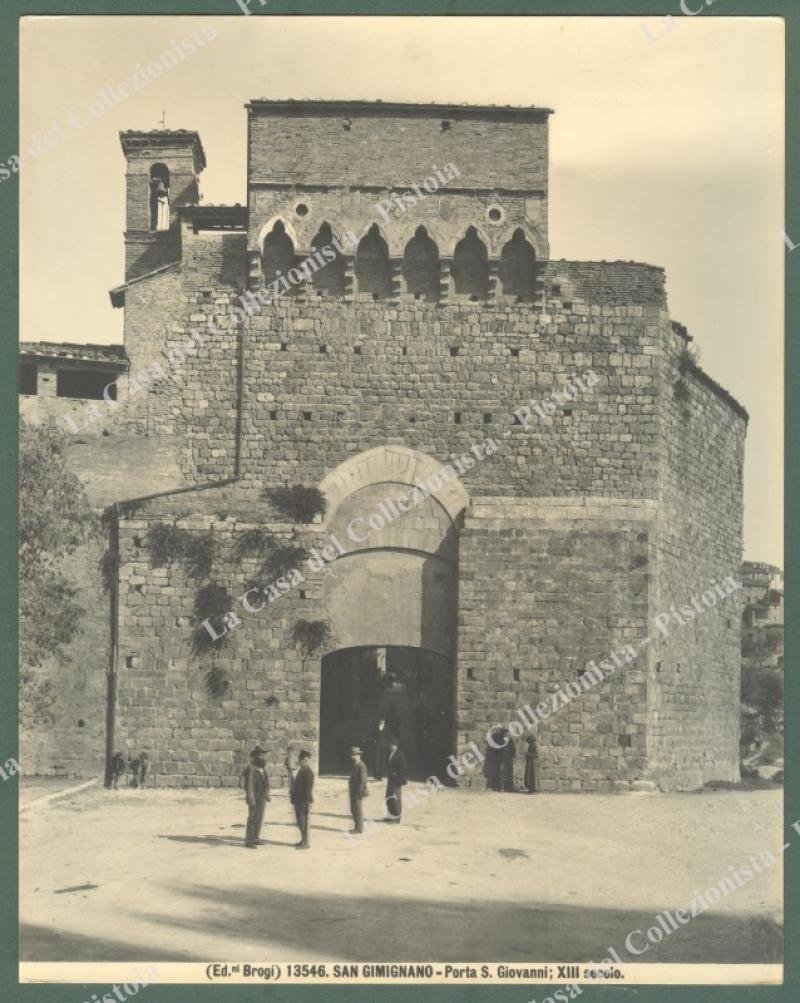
(302, 785)
(396, 779)
(358, 789)
(256, 792)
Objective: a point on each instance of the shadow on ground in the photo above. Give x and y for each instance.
(414, 929)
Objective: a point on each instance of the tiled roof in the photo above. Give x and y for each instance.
(76, 353)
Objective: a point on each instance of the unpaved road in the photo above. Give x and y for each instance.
(163, 875)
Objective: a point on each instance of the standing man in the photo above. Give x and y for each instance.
(396, 779)
(379, 748)
(117, 768)
(302, 786)
(507, 755)
(144, 765)
(532, 765)
(358, 789)
(256, 792)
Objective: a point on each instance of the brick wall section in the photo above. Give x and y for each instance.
(396, 148)
(306, 410)
(546, 586)
(695, 671)
(163, 707)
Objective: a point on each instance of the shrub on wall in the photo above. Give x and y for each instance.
(282, 560)
(212, 602)
(298, 503)
(311, 635)
(167, 543)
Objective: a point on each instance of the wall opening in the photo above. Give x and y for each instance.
(421, 266)
(85, 384)
(159, 197)
(517, 268)
(373, 267)
(329, 278)
(470, 266)
(28, 379)
(277, 255)
(411, 689)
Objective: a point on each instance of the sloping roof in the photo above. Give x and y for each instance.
(113, 354)
(117, 294)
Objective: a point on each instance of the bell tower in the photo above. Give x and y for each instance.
(163, 174)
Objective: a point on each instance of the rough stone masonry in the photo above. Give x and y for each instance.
(502, 587)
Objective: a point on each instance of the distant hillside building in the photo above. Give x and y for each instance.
(384, 359)
(762, 617)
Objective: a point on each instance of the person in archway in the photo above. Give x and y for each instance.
(379, 748)
(396, 779)
(532, 765)
(301, 798)
(256, 792)
(357, 785)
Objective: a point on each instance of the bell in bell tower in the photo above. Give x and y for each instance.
(163, 174)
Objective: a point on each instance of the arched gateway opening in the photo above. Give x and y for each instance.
(410, 689)
(392, 600)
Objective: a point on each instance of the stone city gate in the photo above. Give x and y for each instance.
(392, 603)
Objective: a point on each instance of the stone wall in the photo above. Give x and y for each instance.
(695, 668)
(548, 585)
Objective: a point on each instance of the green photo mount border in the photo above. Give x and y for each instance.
(513, 992)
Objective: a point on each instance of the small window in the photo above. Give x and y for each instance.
(495, 214)
(405, 350)
(470, 673)
(625, 741)
(273, 416)
(81, 723)
(356, 349)
(129, 661)
(457, 417)
(284, 347)
(85, 384)
(28, 379)
(516, 675)
(323, 349)
(453, 351)
(412, 419)
(306, 416)
(514, 353)
(487, 418)
(301, 209)
(302, 593)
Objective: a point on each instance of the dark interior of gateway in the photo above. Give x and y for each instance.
(410, 689)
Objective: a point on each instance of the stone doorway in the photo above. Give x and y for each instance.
(412, 688)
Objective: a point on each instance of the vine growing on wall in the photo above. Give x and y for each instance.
(298, 503)
(212, 602)
(109, 570)
(167, 544)
(311, 635)
(282, 560)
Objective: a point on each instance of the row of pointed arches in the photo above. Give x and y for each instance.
(421, 270)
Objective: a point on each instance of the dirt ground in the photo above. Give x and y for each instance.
(134, 875)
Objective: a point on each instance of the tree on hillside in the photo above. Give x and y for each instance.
(55, 517)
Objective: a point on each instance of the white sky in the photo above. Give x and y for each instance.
(668, 151)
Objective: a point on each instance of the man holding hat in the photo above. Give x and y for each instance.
(358, 789)
(302, 786)
(256, 792)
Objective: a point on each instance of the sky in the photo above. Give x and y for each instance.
(666, 147)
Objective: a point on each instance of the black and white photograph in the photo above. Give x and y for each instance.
(401, 558)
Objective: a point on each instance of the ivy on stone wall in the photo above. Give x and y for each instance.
(167, 543)
(311, 635)
(282, 560)
(298, 503)
(109, 570)
(212, 602)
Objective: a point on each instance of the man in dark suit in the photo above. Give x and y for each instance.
(396, 779)
(256, 792)
(302, 786)
(358, 789)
